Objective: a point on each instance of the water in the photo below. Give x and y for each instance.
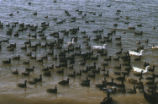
(139, 12)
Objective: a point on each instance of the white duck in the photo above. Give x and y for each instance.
(99, 47)
(136, 53)
(71, 42)
(139, 70)
(154, 47)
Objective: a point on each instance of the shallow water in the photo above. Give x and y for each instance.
(139, 11)
(11, 99)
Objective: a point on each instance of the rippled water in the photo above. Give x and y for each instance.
(143, 12)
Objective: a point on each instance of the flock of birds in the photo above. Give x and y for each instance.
(66, 54)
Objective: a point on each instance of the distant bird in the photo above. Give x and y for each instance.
(25, 73)
(64, 82)
(54, 90)
(139, 70)
(99, 47)
(86, 82)
(71, 42)
(15, 72)
(133, 53)
(38, 79)
(154, 47)
(8, 61)
(32, 82)
(22, 85)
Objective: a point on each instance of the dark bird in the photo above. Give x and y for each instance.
(64, 82)
(22, 85)
(54, 90)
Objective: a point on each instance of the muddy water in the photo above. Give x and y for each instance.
(139, 11)
(11, 99)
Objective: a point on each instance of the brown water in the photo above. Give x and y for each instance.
(139, 11)
(11, 99)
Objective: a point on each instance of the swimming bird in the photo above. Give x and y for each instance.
(97, 47)
(15, 72)
(64, 82)
(38, 79)
(25, 73)
(52, 90)
(154, 47)
(22, 85)
(8, 61)
(71, 42)
(133, 53)
(85, 82)
(32, 82)
(139, 70)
